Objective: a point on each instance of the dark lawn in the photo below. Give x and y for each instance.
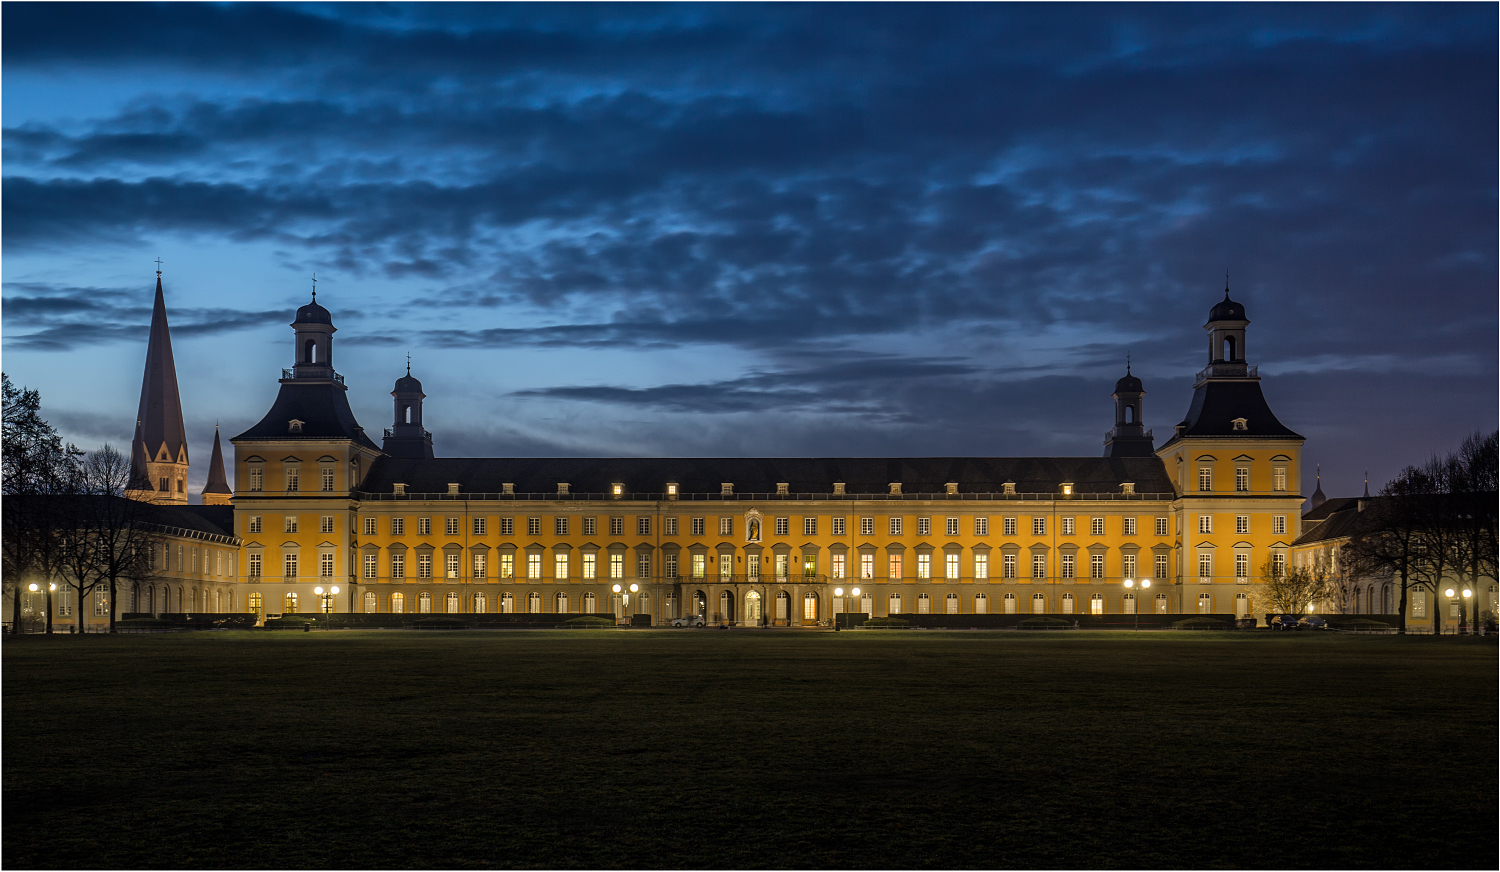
(700, 748)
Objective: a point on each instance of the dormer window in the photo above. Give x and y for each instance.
(1127, 487)
(399, 488)
(508, 488)
(294, 426)
(617, 489)
(895, 488)
(952, 487)
(1067, 488)
(1010, 488)
(1240, 424)
(671, 489)
(838, 488)
(726, 488)
(452, 488)
(562, 488)
(781, 487)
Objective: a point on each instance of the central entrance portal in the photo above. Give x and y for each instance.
(726, 607)
(752, 608)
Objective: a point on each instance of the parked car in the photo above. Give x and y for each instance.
(1312, 622)
(1284, 622)
(689, 621)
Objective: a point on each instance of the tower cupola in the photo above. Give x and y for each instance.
(407, 438)
(1226, 337)
(314, 342)
(1129, 438)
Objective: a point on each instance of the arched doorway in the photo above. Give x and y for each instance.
(726, 607)
(752, 608)
(809, 608)
(700, 604)
(783, 606)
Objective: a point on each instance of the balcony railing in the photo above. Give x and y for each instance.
(768, 497)
(1227, 370)
(292, 373)
(1115, 431)
(425, 435)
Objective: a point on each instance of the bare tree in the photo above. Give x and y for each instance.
(1473, 490)
(1292, 589)
(36, 469)
(123, 531)
(1388, 538)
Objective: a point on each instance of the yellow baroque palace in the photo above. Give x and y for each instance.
(317, 505)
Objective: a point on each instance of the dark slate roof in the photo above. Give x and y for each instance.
(1128, 382)
(1328, 507)
(760, 475)
(1217, 403)
(217, 520)
(160, 411)
(408, 384)
(1341, 522)
(312, 313)
(1227, 310)
(218, 483)
(321, 405)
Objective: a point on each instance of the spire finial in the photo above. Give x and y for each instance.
(1226, 284)
(158, 267)
(1127, 363)
(315, 287)
(1367, 483)
(408, 363)
(1319, 468)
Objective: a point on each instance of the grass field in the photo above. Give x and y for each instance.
(699, 748)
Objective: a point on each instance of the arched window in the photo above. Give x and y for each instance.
(534, 603)
(752, 607)
(406, 414)
(1130, 414)
(398, 603)
(288, 606)
(1010, 603)
(229, 603)
(370, 602)
(1241, 605)
(310, 349)
(981, 604)
(1127, 602)
(560, 606)
(216, 602)
(507, 603)
(1205, 603)
(450, 602)
(424, 603)
(1229, 348)
(726, 606)
(1385, 599)
(254, 603)
(481, 604)
(810, 606)
(894, 607)
(1096, 604)
(1038, 604)
(589, 603)
(1161, 604)
(1067, 604)
(952, 603)
(924, 604)
(867, 604)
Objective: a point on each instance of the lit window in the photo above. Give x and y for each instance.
(533, 566)
(289, 603)
(924, 566)
(950, 566)
(1242, 524)
(617, 566)
(398, 603)
(867, 566)
(1278, 478)
(1096, 604)
(894, 570)
(1205, 479)
(810, 607)
(590, 566)
(700, 565)
(809, 565)
(838, 526)
(981, 566)
(507, 566)
(560, 567)
(1096, 527)
(1242, 478)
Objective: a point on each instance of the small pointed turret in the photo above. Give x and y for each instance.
(1317, 498)
(216, 492)
(160, 453)
(1367, 484)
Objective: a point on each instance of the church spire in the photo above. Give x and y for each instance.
(216, 492)
(1317, 498)
(161, 438)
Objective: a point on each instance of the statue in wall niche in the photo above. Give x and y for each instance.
(753, 521)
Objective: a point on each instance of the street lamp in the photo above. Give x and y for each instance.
(839, 592)
(33, 588)
(1463, 607)
(1145, 583)
(625, 598)
(325, 601)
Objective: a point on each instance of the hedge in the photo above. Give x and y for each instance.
(1201, 622)
(888, 623)
(587, 622)
(1044, 623)
(439, 624)
(1003, 621)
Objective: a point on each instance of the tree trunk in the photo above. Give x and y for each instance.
(15, 612)
(49, 608)
(112, 608)
(1401, 610)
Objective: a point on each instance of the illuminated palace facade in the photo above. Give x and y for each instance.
(317, 503)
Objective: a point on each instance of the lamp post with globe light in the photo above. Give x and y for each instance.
(325, 603)
(1463, 606)
(1145, 584)
(839, 593)
(625, 598)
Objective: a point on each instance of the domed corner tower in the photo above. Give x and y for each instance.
(1236, 470)
(1129, 438)
(406, 438)
(309, 443)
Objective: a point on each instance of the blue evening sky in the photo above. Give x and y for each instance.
(761, 229)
